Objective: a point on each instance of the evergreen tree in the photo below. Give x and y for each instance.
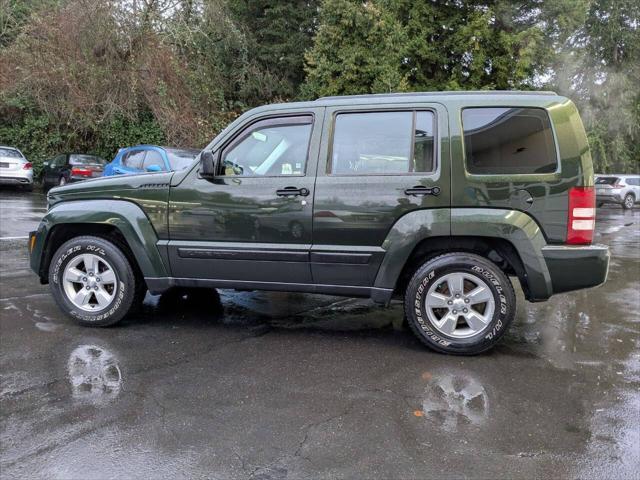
(358, 49)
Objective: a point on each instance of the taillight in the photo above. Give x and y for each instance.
(27, 166)
(582, 215)
(80, 172)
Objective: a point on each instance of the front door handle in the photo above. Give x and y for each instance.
(420, 190)
(292, 192)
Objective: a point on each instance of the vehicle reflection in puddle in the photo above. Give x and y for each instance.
(452, 401)
(94, 374)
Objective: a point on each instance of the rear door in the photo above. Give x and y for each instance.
(377, 165)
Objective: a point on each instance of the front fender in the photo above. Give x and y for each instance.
(127, 217)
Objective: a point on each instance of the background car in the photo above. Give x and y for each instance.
(71, 167)
(620, 189)
(15, 169)
(150, 158)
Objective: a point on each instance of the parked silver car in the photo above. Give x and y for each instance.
(15, 169)
(621, 189)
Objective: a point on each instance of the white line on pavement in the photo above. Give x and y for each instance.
(14, 238)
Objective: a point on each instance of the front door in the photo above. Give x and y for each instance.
(380, 164)
(253, 221)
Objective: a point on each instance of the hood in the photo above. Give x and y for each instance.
(119, 186)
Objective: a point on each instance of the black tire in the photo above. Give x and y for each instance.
(466, 263)
(628, 201)
(126, 290)
(28, 188)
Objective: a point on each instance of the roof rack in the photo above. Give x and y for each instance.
(442, 93)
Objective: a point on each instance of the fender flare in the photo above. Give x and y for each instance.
(127, 217)
(514, 226)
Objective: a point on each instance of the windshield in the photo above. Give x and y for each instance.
(10, 153)
(606, 180)
(80, 159)
(181, 158)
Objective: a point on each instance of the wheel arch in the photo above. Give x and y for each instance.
(508, 237)
(121, 222)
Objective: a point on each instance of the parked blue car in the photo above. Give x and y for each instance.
(150, 158)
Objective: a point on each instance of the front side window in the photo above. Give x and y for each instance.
(383, 143)
(153, 158)
(134, 159)
(274, 147)
(508, 141)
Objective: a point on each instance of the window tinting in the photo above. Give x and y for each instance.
(423, 143)
(633, 181)
(383, 143)
(10, 153)
(153, 158)
(508, 141)
(606, 180)
(270, 150)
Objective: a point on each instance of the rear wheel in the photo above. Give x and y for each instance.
(459, 303)
(92, 281)
(629, 201)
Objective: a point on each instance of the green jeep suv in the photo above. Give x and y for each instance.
(436, 198)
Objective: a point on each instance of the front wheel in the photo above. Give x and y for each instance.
(629, 200)
(92, 281)
(459, 303)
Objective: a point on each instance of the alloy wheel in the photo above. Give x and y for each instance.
(460, 305)
(89, 282)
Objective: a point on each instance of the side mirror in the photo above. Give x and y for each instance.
(209, 164)
(154, 168)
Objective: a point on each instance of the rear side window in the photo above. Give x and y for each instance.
(508, 141)
(383, 143)
(635, 181)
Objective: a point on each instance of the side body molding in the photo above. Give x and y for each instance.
(516, 227)
(126, 216)
(403, 237)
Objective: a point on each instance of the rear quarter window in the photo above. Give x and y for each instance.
(513, 140)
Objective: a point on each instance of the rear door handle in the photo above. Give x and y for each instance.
(419, 191)
(292, 192)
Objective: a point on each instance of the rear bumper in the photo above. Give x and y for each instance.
(609, 197)
(576, 267)
(19, 177)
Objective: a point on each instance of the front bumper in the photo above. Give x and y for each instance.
(576, 267)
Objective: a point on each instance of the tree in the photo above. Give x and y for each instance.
(599, 67)
(358, 49)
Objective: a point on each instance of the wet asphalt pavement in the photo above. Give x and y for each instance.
(275, 385)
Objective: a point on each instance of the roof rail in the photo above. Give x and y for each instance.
(442, 93)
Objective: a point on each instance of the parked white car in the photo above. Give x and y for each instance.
(15, 169)
(621, 189)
